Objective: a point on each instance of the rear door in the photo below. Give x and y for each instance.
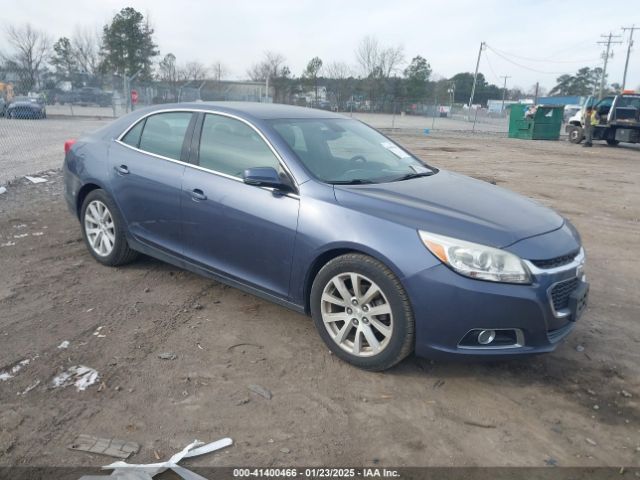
(238, 230)
(147, 166)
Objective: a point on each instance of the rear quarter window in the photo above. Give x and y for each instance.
(133, 135)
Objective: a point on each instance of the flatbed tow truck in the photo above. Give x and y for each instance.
(619, 119)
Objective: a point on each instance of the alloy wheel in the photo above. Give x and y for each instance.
(99, 227)
(357, 314)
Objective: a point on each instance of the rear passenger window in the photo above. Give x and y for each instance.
(230, 146)
(163, 134)
(133, 136)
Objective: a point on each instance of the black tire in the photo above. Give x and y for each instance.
(613, 142)
(576, 134)
(401, 339)
(121, 253)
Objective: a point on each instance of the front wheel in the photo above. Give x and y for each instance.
(103, 230)
(576, 134)
(362, 312)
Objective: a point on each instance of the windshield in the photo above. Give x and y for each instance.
(347, 151)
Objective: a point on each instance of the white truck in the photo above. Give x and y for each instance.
(619, 119)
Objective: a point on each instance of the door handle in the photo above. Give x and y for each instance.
(198, 194)
(122, 169)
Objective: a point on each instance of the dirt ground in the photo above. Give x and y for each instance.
(578, 406)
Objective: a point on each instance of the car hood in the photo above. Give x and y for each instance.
(454, 205)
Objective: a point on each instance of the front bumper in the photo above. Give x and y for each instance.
(447, 306)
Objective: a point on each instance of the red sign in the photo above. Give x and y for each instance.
(134, 96)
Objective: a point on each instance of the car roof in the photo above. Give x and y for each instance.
(262, 111)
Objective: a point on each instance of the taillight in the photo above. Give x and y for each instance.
(67, 145)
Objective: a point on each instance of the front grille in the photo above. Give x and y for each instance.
(561, 292)
(556, 262)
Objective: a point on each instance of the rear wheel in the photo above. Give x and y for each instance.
(613, 142)
(362, 312)
(576, 134)
(103, 230)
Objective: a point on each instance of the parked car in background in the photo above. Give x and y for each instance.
(322, 214)
(72, 97)
(27, 107)
(94, 96)
(322, 105)
(86, 96)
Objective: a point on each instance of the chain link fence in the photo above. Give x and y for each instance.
(29, 145)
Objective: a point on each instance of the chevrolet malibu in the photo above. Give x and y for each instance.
(323, 214)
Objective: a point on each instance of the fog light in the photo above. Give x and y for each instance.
(485, 337)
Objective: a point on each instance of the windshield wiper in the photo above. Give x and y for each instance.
(355, 181)
(409, 176)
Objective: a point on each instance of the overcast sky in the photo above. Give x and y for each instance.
(447, 33)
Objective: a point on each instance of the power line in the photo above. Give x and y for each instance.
(545, 60)
(486, 57)
(524, 66)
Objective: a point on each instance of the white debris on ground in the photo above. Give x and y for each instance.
(147, 471)
(3, 190)
(7, 244)
(80, 376)
(35, 179)
(29, 388)
(97, 332)
(64, 344)
(11, 372)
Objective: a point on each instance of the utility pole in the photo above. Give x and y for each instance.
(475, 77)
(504, 91)
(610, 39)
(535, 100)
(626, 63)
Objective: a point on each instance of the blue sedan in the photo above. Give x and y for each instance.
(324, 215)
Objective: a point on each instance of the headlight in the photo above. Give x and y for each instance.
(475, 260)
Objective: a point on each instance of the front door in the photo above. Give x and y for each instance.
(238, 230)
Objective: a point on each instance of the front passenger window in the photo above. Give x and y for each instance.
(163, 134)
(230, 146)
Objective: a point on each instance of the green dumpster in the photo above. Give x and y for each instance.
(535, 122)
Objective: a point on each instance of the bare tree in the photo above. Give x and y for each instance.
(271, 66)
(378, 65)
(391, 59)
(337, 71)
(375, 60)
(367, 55)
(30, 49)
(194, 71)
(219, 70)
(86, 45)
(340, 82)
(168, 73)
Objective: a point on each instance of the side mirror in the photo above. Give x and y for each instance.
(266, 177)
